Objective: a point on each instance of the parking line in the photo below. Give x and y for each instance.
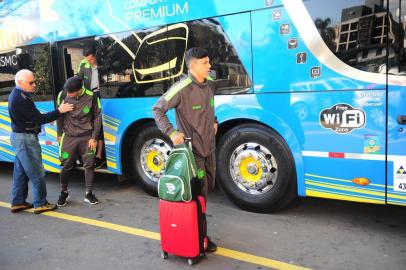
(225, 252)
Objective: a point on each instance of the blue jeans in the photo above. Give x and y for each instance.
(27, 166)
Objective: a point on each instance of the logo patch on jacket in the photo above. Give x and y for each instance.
(86, 109)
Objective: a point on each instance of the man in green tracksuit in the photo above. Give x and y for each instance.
(193, 99)
(77, 135)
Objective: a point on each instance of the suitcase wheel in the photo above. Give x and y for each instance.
(192, 261)
(164, 255)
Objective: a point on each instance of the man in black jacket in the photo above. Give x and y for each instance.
(26, 123)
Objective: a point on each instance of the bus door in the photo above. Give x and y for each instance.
(396, 124)
(70, 55)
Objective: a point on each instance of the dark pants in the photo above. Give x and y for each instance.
(70, 150)
(27, 166)
(208, 166)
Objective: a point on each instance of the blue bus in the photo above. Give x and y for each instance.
(310, 97)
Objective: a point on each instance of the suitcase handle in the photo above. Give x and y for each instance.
(188, 141)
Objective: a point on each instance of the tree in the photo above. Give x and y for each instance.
(327, 32)
(42, 71)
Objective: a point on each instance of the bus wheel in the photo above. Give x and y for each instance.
(256, 169)
(150, 151)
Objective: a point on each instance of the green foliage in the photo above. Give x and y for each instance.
(43, 73)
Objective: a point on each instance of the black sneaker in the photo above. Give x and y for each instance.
(211, 247)
(90, 198)
(63, 198)
(99, 163)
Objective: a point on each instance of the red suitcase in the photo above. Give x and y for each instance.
(183, 229)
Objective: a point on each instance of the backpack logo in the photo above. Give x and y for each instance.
(170, 188)
(177, 165)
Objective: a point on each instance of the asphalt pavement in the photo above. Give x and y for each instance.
(122, 231)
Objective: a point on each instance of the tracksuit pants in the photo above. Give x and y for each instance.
(207, 166)
(72, 149)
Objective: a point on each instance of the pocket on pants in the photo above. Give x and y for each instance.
(17, 141)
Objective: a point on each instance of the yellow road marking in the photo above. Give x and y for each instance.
(225, 252)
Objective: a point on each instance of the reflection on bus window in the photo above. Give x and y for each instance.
(147, 62)
(35, 58)
(129, 61)
(231, 76)
(355, 31)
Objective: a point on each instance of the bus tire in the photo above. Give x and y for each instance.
(150, 149)
(256, 169)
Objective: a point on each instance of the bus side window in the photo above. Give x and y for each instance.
(137, 66)
(397, 64)
(35, 58)
(228, 70)
(355, 31)
(8, 68)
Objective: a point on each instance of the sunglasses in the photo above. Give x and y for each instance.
(30, 83)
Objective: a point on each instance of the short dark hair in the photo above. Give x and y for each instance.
(89, 50)
(195, 53)
(73, 84)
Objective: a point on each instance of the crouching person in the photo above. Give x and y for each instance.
(78, 131)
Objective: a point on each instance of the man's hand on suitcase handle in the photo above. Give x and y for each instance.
(178, 138)
(92, 144)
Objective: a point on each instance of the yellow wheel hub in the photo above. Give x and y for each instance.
(250, 169)
(154, 162)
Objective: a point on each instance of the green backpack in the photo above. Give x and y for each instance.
(175, 184)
